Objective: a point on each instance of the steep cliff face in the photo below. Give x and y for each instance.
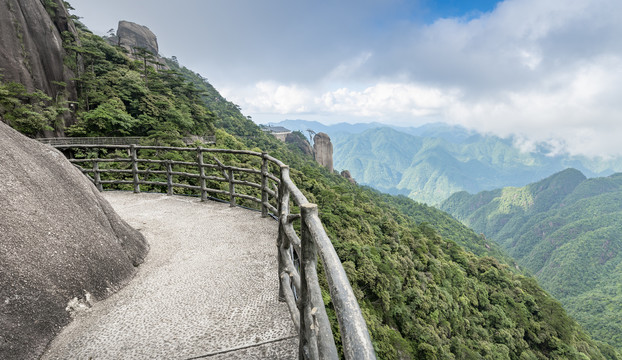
(59, 240)
(32, 47)
(323, 150)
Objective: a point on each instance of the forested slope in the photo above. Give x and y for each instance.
(567, 230)
(423, 296)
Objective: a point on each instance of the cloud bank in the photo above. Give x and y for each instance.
(543, 71)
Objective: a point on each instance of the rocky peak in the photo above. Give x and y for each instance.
(323, 149)
(132, 36)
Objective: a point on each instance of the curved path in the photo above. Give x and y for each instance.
(208, 289)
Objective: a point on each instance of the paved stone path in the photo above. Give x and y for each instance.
(208, 289)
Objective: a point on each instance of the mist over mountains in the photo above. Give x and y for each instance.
(433, 161)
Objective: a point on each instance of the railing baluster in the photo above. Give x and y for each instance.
(315, 322)
(283, 212)
(201, 173)
(96, 176)
(169, 177)
(231, 188)
(264, 184)
(134, 168)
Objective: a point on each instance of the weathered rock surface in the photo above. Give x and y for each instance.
(300, 143)
(32, 47)
(346, 174)
(59, 240)
(323, 150)
(132, 36)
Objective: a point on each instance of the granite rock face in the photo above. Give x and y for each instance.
(32, 48)
(323, 149)
(132, 36)
(61, 244)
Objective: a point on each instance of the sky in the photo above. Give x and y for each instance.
(545, 72)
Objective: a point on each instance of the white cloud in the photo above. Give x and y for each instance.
(544, 70)
(386, 101)
(270, 97)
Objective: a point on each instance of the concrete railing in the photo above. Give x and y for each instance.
(297, 254)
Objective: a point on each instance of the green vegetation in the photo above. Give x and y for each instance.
(423, 296)
(118, 96)
(29, 112)
(566, 230)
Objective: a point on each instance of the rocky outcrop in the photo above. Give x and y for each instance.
(300, 142)
(133, 37)
(323, 149)
(61, 244)
(32, 47)
(346, 174)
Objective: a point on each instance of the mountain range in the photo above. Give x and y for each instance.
(567, 231)
(431, 162)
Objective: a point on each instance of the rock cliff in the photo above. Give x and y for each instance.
(132, 37)
(323, 149)
(32, 47)
(60, 240)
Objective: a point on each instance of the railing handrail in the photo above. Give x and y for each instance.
(117, 140)
(298, 288)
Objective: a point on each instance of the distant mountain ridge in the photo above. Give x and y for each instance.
(565, 229)
(431, 162)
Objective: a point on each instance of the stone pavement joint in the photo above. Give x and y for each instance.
(207, 289)
(289, 338)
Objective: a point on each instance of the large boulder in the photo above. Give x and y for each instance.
(32, 47)
(323, 150)
(60, 241)
(132, 36)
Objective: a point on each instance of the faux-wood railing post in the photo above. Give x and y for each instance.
(169, 177)
(231, 188)
(264, 184)
(96, 176)
(283, 213)
(134, 168)
(313, 316)
(201, 173)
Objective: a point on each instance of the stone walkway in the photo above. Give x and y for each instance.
(208, 289)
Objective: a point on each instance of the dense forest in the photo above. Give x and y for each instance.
(422, 294)
(566, 230)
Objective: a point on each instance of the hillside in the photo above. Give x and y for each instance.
(423, 296)
(431, 162)
(565, 229)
